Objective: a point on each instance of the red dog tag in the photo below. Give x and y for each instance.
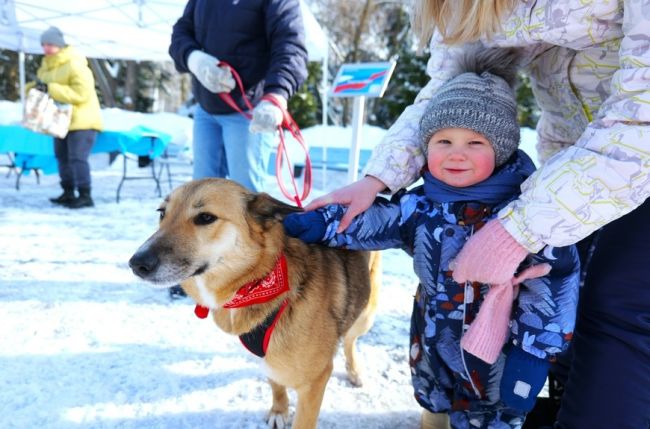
(201, 311)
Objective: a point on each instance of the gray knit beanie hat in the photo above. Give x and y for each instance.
(481, 98)
(53, 36)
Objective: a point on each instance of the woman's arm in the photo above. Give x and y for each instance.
(79, 88)
(606, 174)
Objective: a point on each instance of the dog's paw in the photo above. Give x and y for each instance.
(354, 376)
(277, 420)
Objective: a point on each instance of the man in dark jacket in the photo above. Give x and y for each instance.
(263, 40)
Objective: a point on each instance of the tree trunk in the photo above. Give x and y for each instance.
(103, 81)
(130, 84)
(356, 41)
(354, 52)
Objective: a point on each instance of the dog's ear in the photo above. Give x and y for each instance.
(266, 208)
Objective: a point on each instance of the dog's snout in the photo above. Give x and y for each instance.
(144, 263)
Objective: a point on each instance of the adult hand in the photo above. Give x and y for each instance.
(267, 117)
(523, 378)
(207, 70)
(489, 256)
(358, 196)
(309, 227)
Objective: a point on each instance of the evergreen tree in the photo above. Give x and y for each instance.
(305, 105)
(408, 78)
(9, 73)
(409, 75)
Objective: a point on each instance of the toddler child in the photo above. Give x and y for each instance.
(475, 354)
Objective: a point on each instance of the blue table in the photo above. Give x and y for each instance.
(34, 151)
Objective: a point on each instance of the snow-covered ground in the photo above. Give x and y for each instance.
(85, 344)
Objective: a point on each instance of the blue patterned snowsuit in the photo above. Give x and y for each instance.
(445, 378)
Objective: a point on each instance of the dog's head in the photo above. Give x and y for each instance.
(212, 226)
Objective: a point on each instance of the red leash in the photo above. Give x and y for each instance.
(287, 122)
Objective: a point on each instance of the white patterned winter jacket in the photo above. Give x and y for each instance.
(589, 62)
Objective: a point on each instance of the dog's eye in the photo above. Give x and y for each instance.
(162, 213)
(204, 219)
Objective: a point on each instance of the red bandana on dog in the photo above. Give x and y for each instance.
(265, 289)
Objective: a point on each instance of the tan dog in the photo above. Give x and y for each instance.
(215, 237)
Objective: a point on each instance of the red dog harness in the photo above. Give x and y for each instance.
(274, 284)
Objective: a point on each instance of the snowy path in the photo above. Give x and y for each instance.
(84, 344)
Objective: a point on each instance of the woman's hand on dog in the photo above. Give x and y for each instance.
(357, 196)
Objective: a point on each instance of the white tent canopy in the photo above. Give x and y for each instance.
(124, 29)
(138, 30)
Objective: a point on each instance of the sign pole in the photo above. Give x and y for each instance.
(21, 74)
(357, 128)
(360, 81)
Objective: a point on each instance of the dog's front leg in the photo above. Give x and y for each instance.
(310, 397)
(278, 417)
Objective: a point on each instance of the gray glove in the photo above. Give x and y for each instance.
(266, 118)
(206, 69)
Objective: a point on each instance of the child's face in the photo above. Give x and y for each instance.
(50, 49)
(460, 157)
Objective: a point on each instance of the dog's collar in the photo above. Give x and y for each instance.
(274, 284)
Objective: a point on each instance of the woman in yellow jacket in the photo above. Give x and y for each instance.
(64, 74)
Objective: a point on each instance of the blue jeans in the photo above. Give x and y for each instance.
(223, 147)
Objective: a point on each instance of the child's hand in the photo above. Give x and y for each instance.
(523, 378)
(309, 227)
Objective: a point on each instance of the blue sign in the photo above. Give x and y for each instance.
(362, 79)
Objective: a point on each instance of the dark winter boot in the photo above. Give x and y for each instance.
(66, 197)
(83, 200)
